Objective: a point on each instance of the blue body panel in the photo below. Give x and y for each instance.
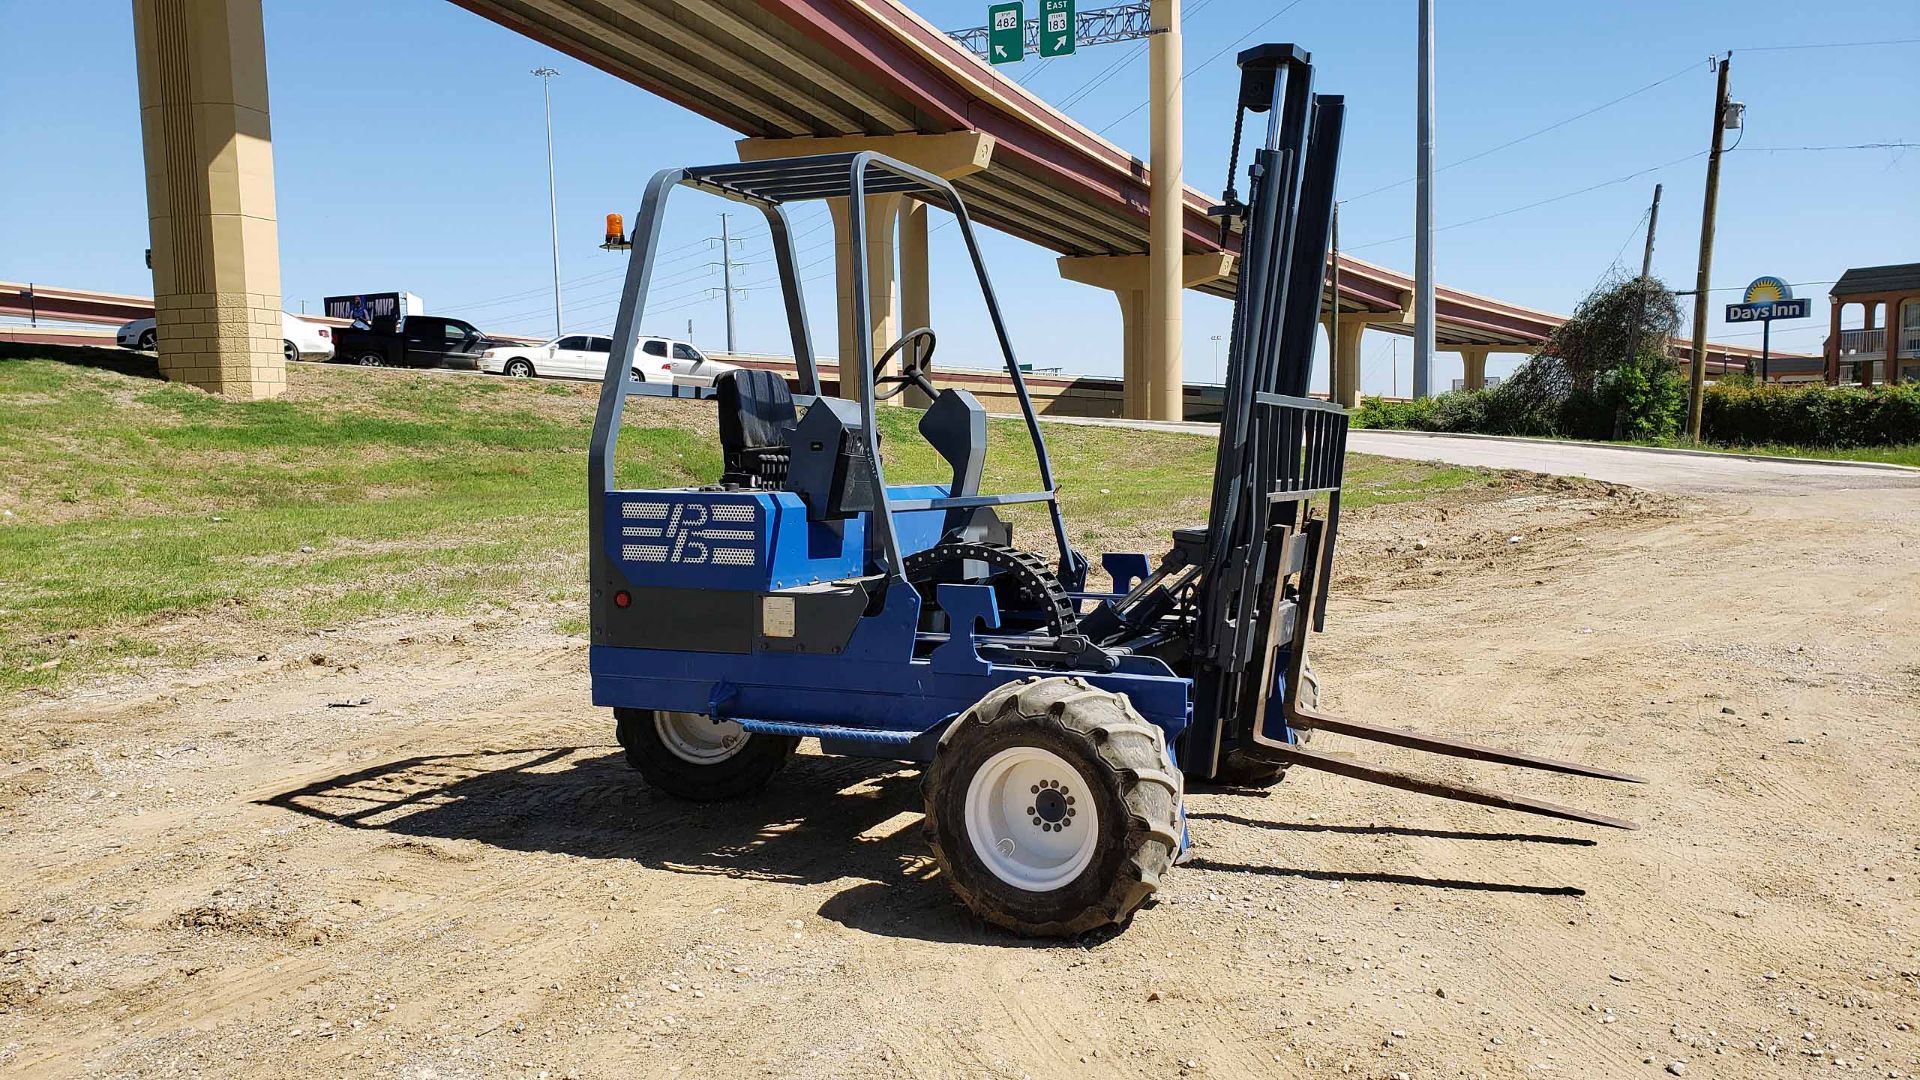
(761, 541)
(747, 541)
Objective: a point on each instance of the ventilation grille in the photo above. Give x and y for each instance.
(690, 533)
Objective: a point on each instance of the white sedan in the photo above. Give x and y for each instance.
(691, 365)
(576, 356)
(299, 339)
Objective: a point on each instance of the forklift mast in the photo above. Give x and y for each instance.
(1278, 448)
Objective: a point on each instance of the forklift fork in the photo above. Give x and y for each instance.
(1313, 546)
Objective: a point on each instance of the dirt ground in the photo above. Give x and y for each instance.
(410, 849)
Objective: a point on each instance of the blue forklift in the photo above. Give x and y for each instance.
(1060, 722)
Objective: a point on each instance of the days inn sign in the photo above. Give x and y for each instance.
(1767, 299)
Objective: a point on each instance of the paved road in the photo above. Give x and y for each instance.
(1654, 470)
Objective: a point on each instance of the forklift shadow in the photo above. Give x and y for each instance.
(821, 820)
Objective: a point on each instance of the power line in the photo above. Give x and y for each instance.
(1533, 134)
(1542, 202)
(1831, 45)
(1841, 146)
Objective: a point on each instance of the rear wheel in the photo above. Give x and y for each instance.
(519, 368)
(290, 351)
(1053, 808)
(1239, 769)
(694, 756)
(370, 359)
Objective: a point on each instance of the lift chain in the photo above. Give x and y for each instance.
(1022, 574)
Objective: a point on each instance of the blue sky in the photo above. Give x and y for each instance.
(409, 154)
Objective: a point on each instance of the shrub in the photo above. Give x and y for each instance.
(1643, 401)
(1827, 416)
(1377, 412)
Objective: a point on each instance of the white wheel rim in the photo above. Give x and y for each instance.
(1031, 819)
(699, 739)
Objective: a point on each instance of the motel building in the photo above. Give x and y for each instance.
(1875, 329)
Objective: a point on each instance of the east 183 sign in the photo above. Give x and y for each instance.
(1006, 32)
(1056, 27)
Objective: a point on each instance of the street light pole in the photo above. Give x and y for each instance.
(1423, 330)
(553, 200)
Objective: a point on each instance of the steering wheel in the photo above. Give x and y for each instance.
(912, 371)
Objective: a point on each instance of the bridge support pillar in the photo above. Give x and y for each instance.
(1166, 203)
(1130, 279)
(950, 155)
(916, 300)
(1346, 348)
(1475, 361)
(1345, 340)
(210, 206)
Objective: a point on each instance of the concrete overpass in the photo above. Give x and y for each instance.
(789, 75)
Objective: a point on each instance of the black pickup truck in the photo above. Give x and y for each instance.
(420, 341)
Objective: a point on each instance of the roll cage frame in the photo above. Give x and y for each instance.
(769, 186)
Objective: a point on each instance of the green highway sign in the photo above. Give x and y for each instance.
(1006, 32)
(1056, 27)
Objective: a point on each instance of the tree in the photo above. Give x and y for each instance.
(1605, 372)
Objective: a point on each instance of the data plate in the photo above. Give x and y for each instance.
(776, 616)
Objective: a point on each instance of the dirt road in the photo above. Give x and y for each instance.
(410, 849)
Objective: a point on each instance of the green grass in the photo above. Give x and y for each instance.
(1892, 455)
(152, 520)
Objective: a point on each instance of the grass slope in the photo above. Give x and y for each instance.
(142, 519)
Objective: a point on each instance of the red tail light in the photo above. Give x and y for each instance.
(622, 599)
(326, 333)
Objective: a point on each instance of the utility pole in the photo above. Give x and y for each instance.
(726, 273)
(1696, 400)
(1653, 222)
(553, 200)
(1333, 314)
(1423, 217)
(1646, 272)
(1166, 198)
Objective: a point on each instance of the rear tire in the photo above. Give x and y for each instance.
(692, 756)
(1053, 807)
(1239, 769)
(370, 359)
(289, 351)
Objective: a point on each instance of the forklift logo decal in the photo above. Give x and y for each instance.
(689, 534)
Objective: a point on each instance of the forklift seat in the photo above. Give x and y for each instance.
(756, 413)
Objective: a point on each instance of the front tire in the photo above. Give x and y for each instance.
(148, 340)
(519, 368)
(692, 756)
(1053, 808)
